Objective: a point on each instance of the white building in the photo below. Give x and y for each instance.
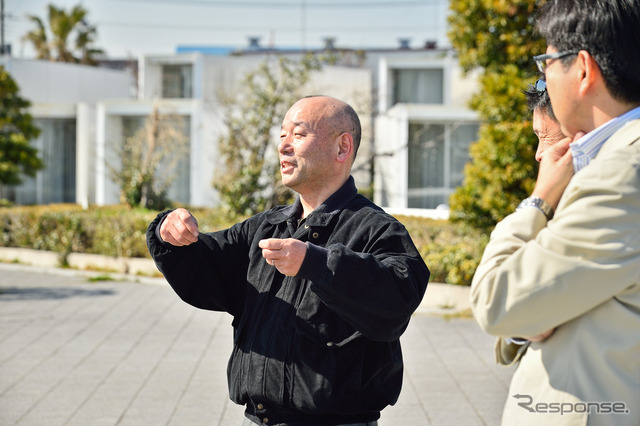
(63, 98)
(422, 125)
(423, 129)
(412, 102)
(85, 112)
(190, 85)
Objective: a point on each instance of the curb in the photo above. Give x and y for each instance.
(81, 261)
(439, 299)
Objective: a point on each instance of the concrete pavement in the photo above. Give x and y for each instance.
(130, 352)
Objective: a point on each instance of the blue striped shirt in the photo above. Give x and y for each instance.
(585, 149)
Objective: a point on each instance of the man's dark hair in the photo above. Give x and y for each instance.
(608, 29)
(354, 123)
(538, 100)
(349, 118)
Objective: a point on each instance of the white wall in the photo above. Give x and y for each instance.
(71, 91)
(463, 86)
(391, 177)
(55, 82)
(150, 73)
(85, 154)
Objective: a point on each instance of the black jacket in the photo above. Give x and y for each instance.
(321, 345)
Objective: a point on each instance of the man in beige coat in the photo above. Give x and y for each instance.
(575, 275)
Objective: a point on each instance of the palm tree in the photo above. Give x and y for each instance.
(62, 26)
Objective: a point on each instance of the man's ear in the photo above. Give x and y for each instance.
(345, 147)
(590, 72)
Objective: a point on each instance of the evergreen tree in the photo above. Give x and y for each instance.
(499, 38)
(17, 156)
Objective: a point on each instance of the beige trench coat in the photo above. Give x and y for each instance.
(578, 273)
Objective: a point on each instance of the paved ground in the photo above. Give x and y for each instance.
(75, 352)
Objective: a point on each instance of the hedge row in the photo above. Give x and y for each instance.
(64, 229)
(451, 250)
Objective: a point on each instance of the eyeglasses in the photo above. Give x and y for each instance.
(541, 60)
(540, 85)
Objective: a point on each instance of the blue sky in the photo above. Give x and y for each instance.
(128, 28)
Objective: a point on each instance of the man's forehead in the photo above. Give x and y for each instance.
(305, 118)
(296, 123)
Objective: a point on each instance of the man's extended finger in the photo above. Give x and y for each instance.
(270, 244)
(188, 220)
(578, 136)
(192, 225)
(270, 255)
(184, 234)
(185, 225)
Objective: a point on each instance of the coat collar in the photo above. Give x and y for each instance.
(321, 215)
(627, 135)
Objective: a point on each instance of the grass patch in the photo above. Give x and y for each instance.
(100, 278)
(466, 313)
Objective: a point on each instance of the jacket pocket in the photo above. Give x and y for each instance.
(321, 325)
(326, 361)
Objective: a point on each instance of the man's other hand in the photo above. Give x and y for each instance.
(285, 254)
(179, 228)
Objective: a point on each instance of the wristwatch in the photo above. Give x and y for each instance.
(538, 203)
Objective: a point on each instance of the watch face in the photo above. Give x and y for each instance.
(538, 203)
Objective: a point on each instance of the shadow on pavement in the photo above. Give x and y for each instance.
(50, 293)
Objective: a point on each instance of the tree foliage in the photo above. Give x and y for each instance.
(248, 179)
(54, 43)
(17, 156)
(148, 160)
(498, 37)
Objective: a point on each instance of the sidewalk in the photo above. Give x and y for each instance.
(132, 353)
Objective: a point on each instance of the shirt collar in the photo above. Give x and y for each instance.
(336, 202)
(587, 147)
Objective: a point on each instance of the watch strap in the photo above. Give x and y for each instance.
(538, 203)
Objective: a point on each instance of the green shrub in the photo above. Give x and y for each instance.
(497, 39)
(118, 233)
(65, 229)
(452, 251)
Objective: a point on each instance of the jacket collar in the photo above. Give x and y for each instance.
(627, 135)
(587, 147)
(321, 215)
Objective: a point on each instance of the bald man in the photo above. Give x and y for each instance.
(320, 291)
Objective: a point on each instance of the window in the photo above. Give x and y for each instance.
(426, 156)
(426, 165)
(177, 81)
(56, 183)
(437, 154)
(179, 186)
(418, 86)
(462, 136)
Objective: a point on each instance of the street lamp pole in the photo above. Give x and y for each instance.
(2, 49)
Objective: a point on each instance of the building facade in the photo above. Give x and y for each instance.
(412, 102)
(86, 114)
(423, 130)
(63, 98)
